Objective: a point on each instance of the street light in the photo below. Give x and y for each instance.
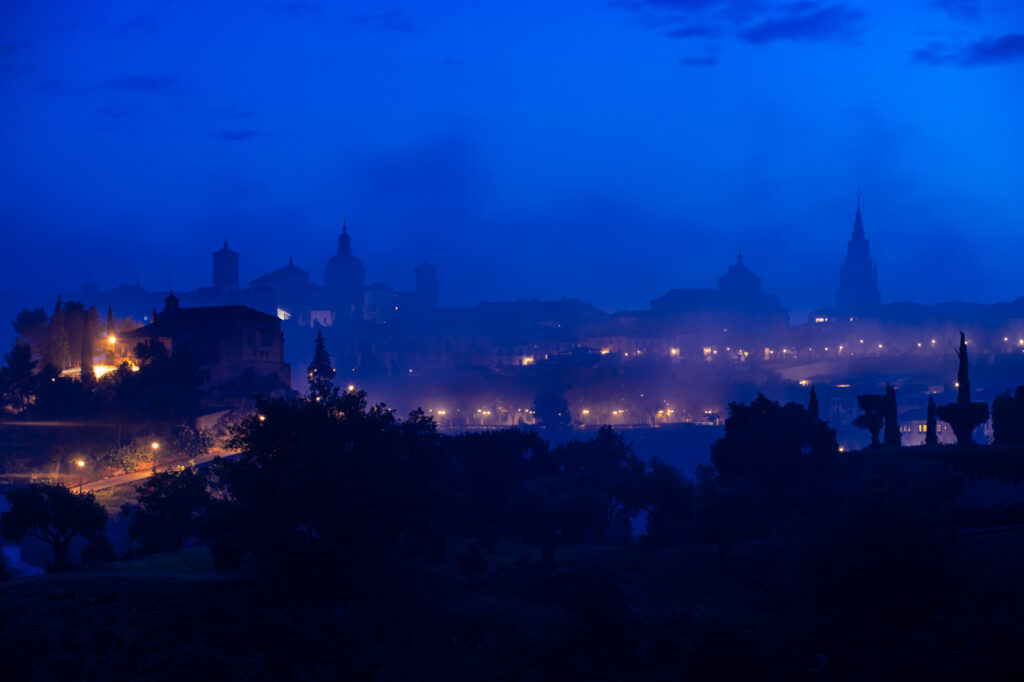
(155, 446)
(80, 463)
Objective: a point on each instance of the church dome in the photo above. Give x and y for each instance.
(344, 273)
(739, 280)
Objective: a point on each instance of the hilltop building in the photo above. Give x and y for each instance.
(228, 342)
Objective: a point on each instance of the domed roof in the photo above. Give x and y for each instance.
(344, 272)
(739, 279)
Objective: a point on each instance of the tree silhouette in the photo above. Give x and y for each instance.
(552, 411)
(55, 515)
(963, 416)
(320, 372)
(873, 406)
(892, 438)
(770, 443)
(812, 404)
(1008, 418)
(16, 379)
(931, 435)
(85, 350)
(59, 347)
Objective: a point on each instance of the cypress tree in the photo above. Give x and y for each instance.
(892, 436)
(812, 404)
(59, 347)
(320, 372)
(88, 377)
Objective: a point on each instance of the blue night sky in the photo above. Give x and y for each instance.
(602, 150)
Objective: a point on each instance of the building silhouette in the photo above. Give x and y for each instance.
(858, 292)
(225, 269)
(344, 280)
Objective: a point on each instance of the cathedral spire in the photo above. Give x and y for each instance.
(858, 292)
(344, 241)
(858, 222)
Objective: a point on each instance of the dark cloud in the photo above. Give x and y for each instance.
(162, 84)
(965, 9)
(235, 135)
(752, 21)
(390, 21)
(988, 51)
(699, 61)
(807, 21)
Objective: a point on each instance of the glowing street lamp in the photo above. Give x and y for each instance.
(80, 463)
(155, 447)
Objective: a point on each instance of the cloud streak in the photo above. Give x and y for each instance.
(960, 9)
(805, 21)
(755, 22)
(989, 51)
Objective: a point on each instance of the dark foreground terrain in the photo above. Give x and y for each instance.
(604, 613)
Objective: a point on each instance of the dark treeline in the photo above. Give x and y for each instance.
(335, 511)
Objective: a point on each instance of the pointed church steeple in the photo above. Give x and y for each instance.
(344, 241)
(858, 222)
(858, 292)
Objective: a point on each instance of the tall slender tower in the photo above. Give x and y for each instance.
(858, 292)
(225, 269)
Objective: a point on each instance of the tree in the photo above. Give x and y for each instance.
(892, 437)
(88, 376)
(552, 411)
(16, 379)
(190, 440)
(127, 457)
(58, 353)
(770, 443)
(171, 508)
(31, 327)
(1008, 418)
(931, 436)
(669, 500)
(325, 491)
(492, 465)
(320, 372)
(55, 515)
(812, 404)
(873, 406)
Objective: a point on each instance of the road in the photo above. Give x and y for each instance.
(104, 483)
